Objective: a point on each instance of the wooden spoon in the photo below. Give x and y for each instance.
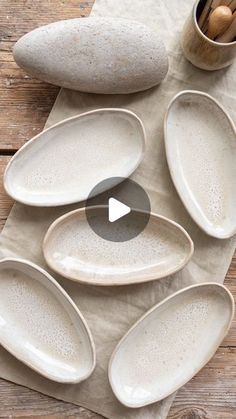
(219, 21)
(212, 6)
(204, 14)
(230, 33)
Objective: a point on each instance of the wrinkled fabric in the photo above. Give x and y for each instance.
(110, 312)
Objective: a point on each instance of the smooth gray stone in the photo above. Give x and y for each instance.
(97, 55)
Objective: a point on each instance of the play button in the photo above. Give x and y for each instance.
(117, 210)
(121, 212)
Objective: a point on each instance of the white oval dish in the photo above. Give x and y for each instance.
(170, 344)
(200, 140)
(41, 326)
(72, 249)
(64, 163)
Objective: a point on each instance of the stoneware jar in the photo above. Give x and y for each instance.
(202, 51)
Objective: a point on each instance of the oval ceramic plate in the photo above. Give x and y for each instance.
(170, 344)
(65, 162)
(40, 324)
(200, 141)
(72, 249)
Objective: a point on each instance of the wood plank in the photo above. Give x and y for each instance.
(209, 395)
(5, 201)
(26, 102)
(212, 393)
(20, 402)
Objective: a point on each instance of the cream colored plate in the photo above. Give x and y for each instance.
(63, 164)
(200, 143)
(170, 344)
(72, 249)
(41, 326)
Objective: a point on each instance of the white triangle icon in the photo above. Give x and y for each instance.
(117, 210)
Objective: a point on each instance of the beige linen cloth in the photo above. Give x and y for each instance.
(111, 311)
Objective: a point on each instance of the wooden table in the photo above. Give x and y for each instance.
(24, 106)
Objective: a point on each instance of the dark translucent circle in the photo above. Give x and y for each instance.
(129, 193)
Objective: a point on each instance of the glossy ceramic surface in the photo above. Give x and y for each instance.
(72, 249)
(200, 141)
(40, 324)
(63, 164)
(170, 344)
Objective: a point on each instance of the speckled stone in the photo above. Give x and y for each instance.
(97, 55)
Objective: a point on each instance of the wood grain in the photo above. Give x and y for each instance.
(26, 102)
(24, 107)
(5, 201)
(20, 402)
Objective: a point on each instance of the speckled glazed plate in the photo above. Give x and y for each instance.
(200, 141)
(72, 249)
(65, 162)
(170, 344)
(40, 324)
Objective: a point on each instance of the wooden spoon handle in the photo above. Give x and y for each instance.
(204, 14)
(219, 21)
(230, 33)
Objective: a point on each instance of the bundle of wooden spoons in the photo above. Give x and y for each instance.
(218, 20)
